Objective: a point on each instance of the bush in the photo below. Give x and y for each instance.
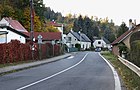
(134, 55)
(14, 51)
(78, 46)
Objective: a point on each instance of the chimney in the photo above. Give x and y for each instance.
(130, 24)
(135, 22)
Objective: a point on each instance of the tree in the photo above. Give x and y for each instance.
(122, 29)
(26, 19)
(39, 8)
(7, 11)
(51, 28)
(78, 24)
(37, 24)
(108, 34)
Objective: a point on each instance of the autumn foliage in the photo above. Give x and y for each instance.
(15, 52)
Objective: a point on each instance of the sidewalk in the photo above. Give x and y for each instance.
(31, 64)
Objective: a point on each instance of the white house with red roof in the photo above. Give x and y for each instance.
(11, 30)
(13, 24)
(7, 34)
(47, 37)
(60, 27)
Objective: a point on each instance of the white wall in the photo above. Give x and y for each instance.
(74, 41)
(96, 43)
(102, 44)
(3, 22)
(13, 36)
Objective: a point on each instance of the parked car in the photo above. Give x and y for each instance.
(97, 49)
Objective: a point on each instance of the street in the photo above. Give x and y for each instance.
(81, 71)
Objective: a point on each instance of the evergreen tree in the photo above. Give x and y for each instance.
(122, 29)
(108, 34)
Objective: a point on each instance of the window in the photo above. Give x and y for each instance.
(69, 38)
(99, 42)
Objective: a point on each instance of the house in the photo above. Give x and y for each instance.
(78, 38)
(60, 28)
(101, 43)
(47, 37)
(14, 24)
(126, 39)
(7, 34)
(10, 30)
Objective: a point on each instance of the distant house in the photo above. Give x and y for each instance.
(101, 43)
(78, 38)
(60, 27)
(47, 37)
(7, 34)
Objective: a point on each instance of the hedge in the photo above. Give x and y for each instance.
(15, 51)
(134, 55)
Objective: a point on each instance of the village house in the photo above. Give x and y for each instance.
(126, 38)
(60, 28)
(102, 43)
(46, 37)
(11, 30)
(74, 38)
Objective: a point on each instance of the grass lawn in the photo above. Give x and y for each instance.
(130, 79)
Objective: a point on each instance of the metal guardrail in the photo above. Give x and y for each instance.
(130, 65)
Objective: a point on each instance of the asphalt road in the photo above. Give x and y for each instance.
(83, 71)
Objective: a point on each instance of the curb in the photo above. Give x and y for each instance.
(32, 64)
(116, 77)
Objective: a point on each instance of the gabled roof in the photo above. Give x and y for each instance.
(15, 24)
(15, 31)
(122, 37)
(81, 36)
(85, 37)
(48, 36)
(125, 35)
(102, 38)
(106, 41)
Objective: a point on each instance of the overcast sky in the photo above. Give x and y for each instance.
(118, 10)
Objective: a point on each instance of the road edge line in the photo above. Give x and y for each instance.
(116, 76)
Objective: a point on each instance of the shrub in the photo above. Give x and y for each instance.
(78, 46)
(134, 55)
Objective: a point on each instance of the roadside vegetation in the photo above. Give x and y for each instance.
(130, 79)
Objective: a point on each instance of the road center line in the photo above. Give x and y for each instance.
(29, 85)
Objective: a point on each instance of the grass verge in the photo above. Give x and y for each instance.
(130, 79)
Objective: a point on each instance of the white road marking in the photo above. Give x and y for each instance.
(70, 57)
(116, 77)
(29, 85)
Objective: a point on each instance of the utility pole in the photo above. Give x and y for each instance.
(32, 27)
(80, 39)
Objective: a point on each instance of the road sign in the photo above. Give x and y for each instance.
(39, 38)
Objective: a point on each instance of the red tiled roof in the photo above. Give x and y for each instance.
(122, 37)
(16, 25)
(46, 35)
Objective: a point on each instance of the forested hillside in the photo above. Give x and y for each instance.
(92, 27)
